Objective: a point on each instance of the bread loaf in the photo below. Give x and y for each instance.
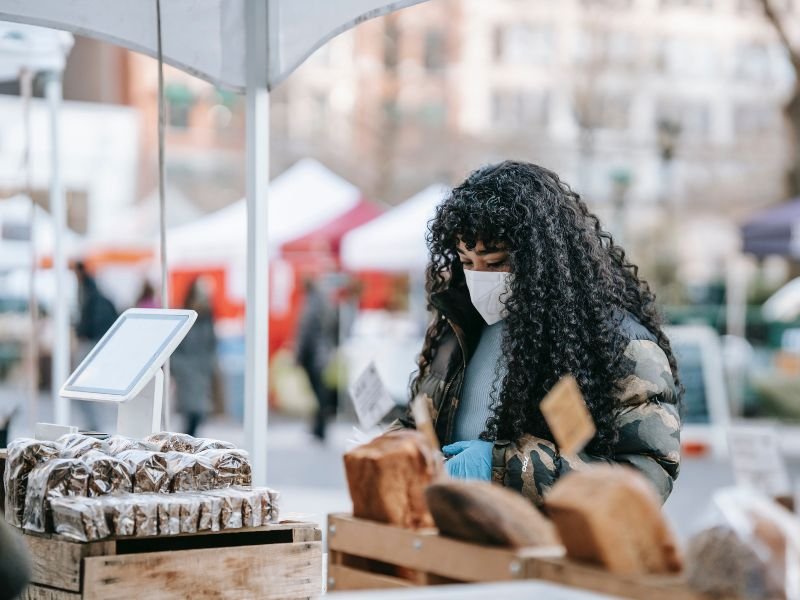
(56, 478)
(486, 513)
(190, 472)
(24, 454)
(149, 470)
(232, 466)
(79, 518)
(108, 474)
(76, 445)
(611, 515)
(387, 478)
(120, 443)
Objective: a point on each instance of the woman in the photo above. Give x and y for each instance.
(525, 288)
(194, 361)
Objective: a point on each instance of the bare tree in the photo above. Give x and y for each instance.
(791, 108)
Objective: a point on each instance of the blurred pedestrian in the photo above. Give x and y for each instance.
(15, 566)
(147, 297)
(97, 315)
(317, 337)
(194, 361)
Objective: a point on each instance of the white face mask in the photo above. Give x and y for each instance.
(488, 290)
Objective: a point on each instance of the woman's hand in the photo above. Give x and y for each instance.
(471, 459)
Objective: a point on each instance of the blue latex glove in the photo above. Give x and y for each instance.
(471, 459)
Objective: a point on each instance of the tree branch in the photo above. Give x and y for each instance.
(774, 18)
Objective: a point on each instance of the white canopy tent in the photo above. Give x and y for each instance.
(395, 241)
(304, 197)
(248, 45)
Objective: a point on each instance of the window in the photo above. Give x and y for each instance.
(597, 47)
(755, 119)
(523, 44)
(686, 57)
(753, 63)
(514, 109)
(693, 118)
(435, 51)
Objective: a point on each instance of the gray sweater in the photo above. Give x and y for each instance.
(474, 407)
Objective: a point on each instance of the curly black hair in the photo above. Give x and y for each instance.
(570, 288)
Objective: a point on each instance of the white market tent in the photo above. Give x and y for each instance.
(247, 45)
(304, 197)
(16, 234)
(395, 241)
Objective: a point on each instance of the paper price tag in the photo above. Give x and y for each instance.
(371, 399)
(757, 459)
(565, 411)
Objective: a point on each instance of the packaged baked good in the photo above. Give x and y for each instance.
(119, 513)
(274, 505)
(232, 466)
(190, 472)
(251, 506)
(79, 518)
(210, 511)
(107, 474)
(203, 444)
(167, 441)
(189, 513)
(56, 478)
(76, 445)
(23, 455)
(169, 514)
(231, 508)
(145, 514)
(748, 549)
(120, 443)
(149, 470)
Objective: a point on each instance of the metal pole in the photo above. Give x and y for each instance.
(257, 181)
(58, 208)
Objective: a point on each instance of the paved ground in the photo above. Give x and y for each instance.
(311, 479)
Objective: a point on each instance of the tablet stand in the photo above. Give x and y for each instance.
(141, 415)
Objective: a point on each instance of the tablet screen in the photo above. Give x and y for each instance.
(123, 355)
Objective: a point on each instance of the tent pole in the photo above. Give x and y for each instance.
(257, 181)
(58, 208)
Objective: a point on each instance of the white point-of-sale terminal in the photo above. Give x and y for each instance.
(125, 367)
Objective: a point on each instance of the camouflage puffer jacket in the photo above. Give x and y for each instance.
(649, 421)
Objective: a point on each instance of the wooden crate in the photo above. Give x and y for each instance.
(367, 555)
(275, 561)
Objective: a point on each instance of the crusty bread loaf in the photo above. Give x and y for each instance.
(387, 478)
(611, 515)
(486, 513)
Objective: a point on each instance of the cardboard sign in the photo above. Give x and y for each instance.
(757, 459)
(565, 411)
(371, 399)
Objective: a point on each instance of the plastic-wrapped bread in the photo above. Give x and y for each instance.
(57, 478)
(169, 514)
(274, 505)
(79, 518)
(24, 454)
(145, 514)
(251, 506)
(232, 466)
(107, 474)
(611, 515)
(203, 444)
(231, 509)
(75, 445)
(189, 513)
(149, 470)
(262, 495)
(210, 512)
(120, 513)
(387, 478)
(486, 513)
(167, 441)
(190, 472)
(120, 443)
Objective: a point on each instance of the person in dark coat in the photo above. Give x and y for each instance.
(194, 361)
(15, 566)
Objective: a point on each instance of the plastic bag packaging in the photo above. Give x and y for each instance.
(119, 513)
(79, 518)
(169, 514)
(24, 454)
(231, 507)
(203, 444)
(251, 506)
(189, 513)
(107, 474)
(145, 514)
(210, 511)
(189, 472)
(57, 478)
(168, 441)
(232, 466)
(75, 445)
(749, 549)
(149, 470)
(120, 443)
